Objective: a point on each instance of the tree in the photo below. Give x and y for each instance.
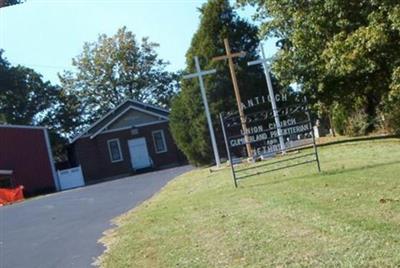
(113, 69)
(5, 3)
(24, 97)
(187, 121)
(338, 51)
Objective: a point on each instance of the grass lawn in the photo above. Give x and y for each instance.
(348, 215)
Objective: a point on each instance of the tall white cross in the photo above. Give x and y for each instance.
(263, 60)
(199, 74)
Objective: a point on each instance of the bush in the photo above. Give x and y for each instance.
(339, 118)
(391, 113)
(352, 121)
(357, 124)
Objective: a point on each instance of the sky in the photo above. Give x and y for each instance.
(46, 34)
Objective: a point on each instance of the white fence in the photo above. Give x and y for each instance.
(71, 178)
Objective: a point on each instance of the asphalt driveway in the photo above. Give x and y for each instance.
(62, 229)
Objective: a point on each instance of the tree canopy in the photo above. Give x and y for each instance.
(113, 69)
(188, 122)
(24, 97)
(338, 51)
(4, 3)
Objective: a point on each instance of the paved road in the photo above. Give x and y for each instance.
(62, 229)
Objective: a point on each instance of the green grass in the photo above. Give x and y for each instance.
(348, 215)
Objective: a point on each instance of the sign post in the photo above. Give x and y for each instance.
(296, 128)
(229, 56)
(263, 60)
(228, 150)
(199, 74)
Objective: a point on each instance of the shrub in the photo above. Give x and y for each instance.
(390, 109)
(357, 124)
(339, 118)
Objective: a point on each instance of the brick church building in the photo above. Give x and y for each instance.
(131, 138)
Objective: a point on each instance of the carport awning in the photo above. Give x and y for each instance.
(6, 172)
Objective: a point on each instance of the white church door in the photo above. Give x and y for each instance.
(140, 157)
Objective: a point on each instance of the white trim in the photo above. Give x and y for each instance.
(113, 110)
(151, 123)
(6, 172)
(119, 149)
(114, 130)
(21, 126)
(53, 168)
(121, 114)
(163, 139)
(151, 106)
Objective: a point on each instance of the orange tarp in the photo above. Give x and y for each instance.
(8, 196)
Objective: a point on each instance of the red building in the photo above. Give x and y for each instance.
(26, 159)
(131, 138)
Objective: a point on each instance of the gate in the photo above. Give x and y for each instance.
(71, 178)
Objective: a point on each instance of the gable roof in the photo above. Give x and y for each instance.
(101, 124)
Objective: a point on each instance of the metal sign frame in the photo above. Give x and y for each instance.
(239, 173)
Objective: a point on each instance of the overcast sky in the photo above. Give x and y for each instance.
(46, 35)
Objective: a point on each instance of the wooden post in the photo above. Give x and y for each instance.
(229, 56)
